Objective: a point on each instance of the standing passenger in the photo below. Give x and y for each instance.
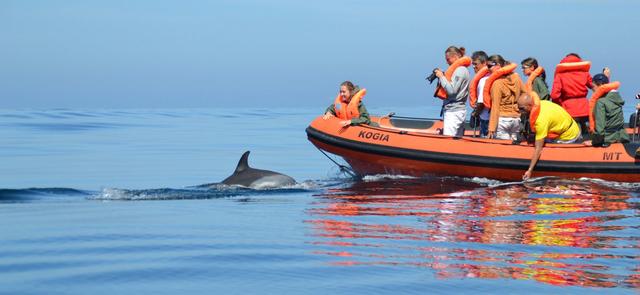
(454, 93)
(537, 78)
(504, 122)
(570, 88)
(476, 89)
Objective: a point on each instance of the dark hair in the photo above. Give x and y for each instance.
(349, 85)
(480, 56)
(452, 49)
(532, 62)
(497, 59)
(574, 54)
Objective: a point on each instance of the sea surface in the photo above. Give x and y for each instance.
(129, 202)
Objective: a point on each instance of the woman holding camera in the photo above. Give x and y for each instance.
(456, 93)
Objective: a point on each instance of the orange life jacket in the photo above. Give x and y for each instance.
(464, 61)
(535, 74)
(535, 111)
(581, 66)
(486, 92)
(600, 92)
(349, 111)
(473, 87)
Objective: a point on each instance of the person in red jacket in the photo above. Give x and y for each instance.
(570, 91)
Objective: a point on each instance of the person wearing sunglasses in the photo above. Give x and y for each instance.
(479, 61)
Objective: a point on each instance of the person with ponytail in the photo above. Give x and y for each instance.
(456, 91)
(539, 83)
(348, 106)
(504, 120)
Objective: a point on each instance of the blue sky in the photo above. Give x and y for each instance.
(239, 53)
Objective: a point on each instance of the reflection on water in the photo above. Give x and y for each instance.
(565, 233)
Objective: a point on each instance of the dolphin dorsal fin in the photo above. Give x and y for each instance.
(243, 164)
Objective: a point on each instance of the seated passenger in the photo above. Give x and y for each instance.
(570, 88)
(504, 121)
(537, 81)
(607, 113)
(547, 120)
(348, 106)
(476, 97)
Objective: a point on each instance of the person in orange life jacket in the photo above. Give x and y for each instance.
(547, 119)
(536, 82)
(570, 91)
(607, 113)
(479, 61)
(539, 85)
(457, 92)
(344, 104)
(504, 121)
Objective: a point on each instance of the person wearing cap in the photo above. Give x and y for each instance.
(609, 119)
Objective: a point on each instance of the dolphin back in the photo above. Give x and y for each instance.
(256, 178)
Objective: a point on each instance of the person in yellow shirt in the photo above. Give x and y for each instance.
(551, 123)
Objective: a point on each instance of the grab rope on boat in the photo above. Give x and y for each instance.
(343, 168)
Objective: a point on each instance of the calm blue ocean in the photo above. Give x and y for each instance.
(126, 202)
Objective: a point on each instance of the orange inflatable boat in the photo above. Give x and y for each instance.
(412, 146)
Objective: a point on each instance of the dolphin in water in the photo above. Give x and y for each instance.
(256, 178)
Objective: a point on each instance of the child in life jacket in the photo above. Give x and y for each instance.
(348, 106)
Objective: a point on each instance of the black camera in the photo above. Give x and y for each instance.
(637, 95)
(431, 77)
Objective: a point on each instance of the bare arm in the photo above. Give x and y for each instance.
(534, 159)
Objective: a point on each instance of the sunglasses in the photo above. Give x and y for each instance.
(491, 64)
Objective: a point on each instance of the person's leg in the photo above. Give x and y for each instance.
(515, 128)
(484, 128)
(502, 130)
(448, 123)
(582, 122)
(453, 121)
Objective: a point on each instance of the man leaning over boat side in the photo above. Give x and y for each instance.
(549, 122)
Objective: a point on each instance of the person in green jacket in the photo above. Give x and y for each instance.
(609, 119)
(529, 65)
(347, 91)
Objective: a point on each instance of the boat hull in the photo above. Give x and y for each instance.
(375, 150)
